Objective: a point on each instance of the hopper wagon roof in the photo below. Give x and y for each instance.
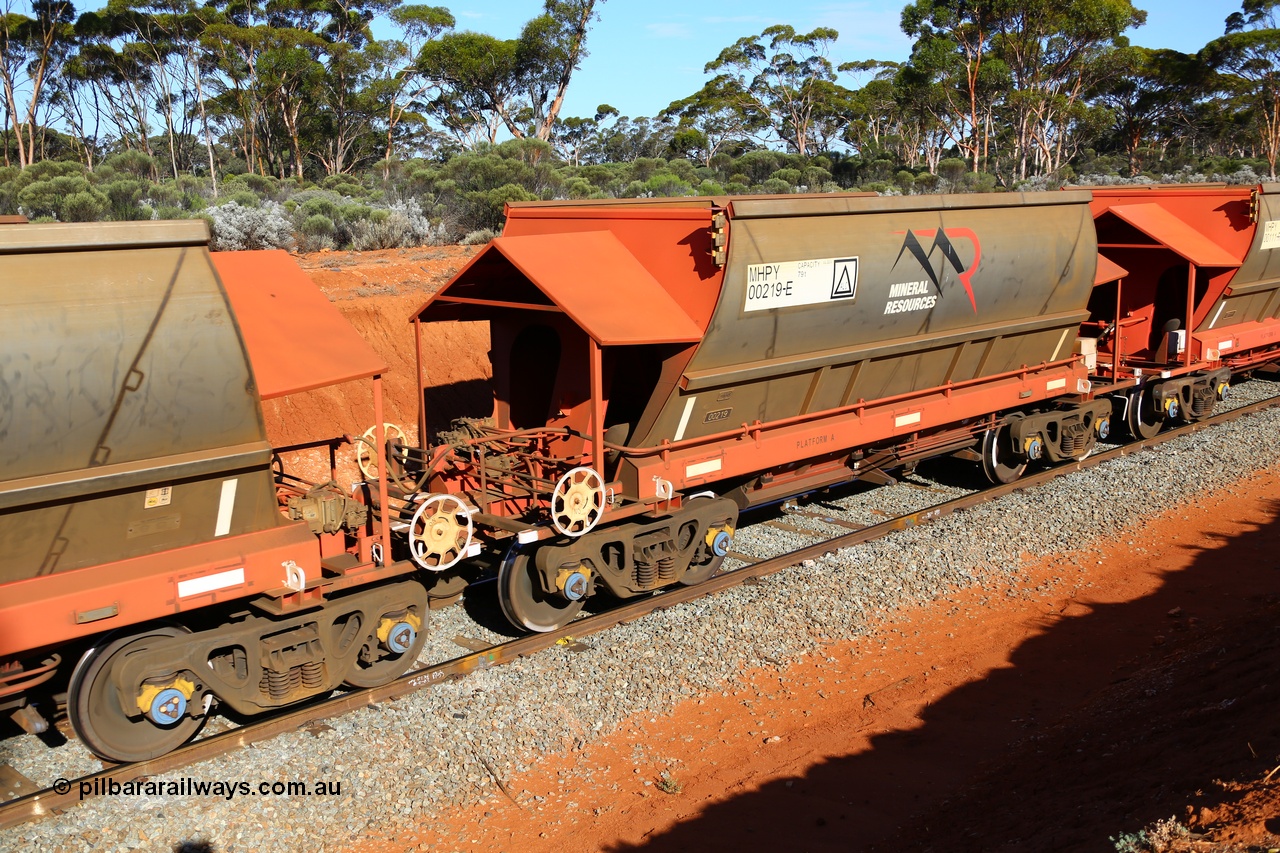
(588, 275)
(1172, 232)
(297, 340)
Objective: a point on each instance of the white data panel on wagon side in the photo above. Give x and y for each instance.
(786, 284)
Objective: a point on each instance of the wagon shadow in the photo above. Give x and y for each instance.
(450, 401)
(1102, 724)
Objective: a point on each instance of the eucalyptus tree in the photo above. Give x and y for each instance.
(718, 115)
(921, 105)
(784, 75)
(874, 120)
(550, 48)
(345, 109)
(1055, 51)
(291, 75)
(398, 83)
(952, 51)
(1145, 90)
(573, 136)
(521, 82)
(143, 57)
(473, 83)
(33, 46)
(121, 70)
(234, 38)
(1248, 56)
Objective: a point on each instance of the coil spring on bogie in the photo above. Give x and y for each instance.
(312, 675)
(1072, 443)
(646, 573)
(278, 685)
(667, 568)
(1202, 401)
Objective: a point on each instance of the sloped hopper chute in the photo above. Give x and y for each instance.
(589, 276)
(1171, 232)
(296, 338)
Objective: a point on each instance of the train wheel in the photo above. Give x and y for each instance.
(999, 462)
(395, 646)
(98, 710)
(522, 600)
(720, 540)
(1144, 419)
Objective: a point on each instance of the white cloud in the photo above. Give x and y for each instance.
(739, 19)
(669, 31)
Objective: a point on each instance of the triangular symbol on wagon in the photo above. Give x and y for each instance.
(845, 279)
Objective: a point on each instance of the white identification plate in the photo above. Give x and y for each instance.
(162, 496)
(1271, 234)
(786, 284)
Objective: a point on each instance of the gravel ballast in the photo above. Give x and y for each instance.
(403, 762)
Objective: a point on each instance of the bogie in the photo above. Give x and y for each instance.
(542, 587)
(136, 695)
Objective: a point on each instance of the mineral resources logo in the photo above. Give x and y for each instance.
(915, 295)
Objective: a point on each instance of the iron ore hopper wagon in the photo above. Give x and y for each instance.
(659, 366)
(154, 558)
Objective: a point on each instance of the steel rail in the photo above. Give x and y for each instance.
(51, 801)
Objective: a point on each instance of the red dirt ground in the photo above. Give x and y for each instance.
(378, 292)
(1139, 689)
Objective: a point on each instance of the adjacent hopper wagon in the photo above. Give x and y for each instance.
(154, 562)
(660, 366)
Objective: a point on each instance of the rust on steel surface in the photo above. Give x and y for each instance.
(590, 276)
(297, 340)
(47, 801)
(887, 296)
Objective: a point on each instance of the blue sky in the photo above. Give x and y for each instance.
(647, 53)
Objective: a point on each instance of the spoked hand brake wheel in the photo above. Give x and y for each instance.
(440, 532)
(366, 456)
(577, 502)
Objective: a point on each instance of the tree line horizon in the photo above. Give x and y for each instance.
(146, 106)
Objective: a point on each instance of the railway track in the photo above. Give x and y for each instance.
(65, 794)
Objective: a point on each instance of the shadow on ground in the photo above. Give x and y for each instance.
(1100, 725)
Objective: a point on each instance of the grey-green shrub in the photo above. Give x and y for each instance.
(477, 238)
(236, 227)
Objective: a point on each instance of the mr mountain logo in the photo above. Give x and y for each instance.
(914, 295)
